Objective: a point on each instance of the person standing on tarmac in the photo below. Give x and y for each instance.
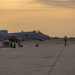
(11, 45)
(65, 40)
(19, 44)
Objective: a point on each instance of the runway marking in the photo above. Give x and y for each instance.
(56, 60)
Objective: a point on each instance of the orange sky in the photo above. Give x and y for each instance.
(28, 15)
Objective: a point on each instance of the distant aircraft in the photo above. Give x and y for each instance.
(29, 36)
(4, 35)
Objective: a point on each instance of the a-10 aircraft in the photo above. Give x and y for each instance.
(20, 36)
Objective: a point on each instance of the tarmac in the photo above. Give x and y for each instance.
(46, 59)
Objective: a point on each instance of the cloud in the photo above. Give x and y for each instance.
(20, 5)
(59, 3)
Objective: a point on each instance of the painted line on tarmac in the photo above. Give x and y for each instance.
(56, 60)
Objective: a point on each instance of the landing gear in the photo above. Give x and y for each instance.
(37, 45)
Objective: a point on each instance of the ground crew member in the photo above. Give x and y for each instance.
(65, 40)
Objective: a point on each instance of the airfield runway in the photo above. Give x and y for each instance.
(46, 59)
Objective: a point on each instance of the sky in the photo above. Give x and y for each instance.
(52, 17)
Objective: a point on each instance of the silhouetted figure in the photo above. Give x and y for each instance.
(65, 40)
(19, 44)
(11, 45)
(14, 46)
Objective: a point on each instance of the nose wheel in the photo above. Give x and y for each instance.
(37, 45)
